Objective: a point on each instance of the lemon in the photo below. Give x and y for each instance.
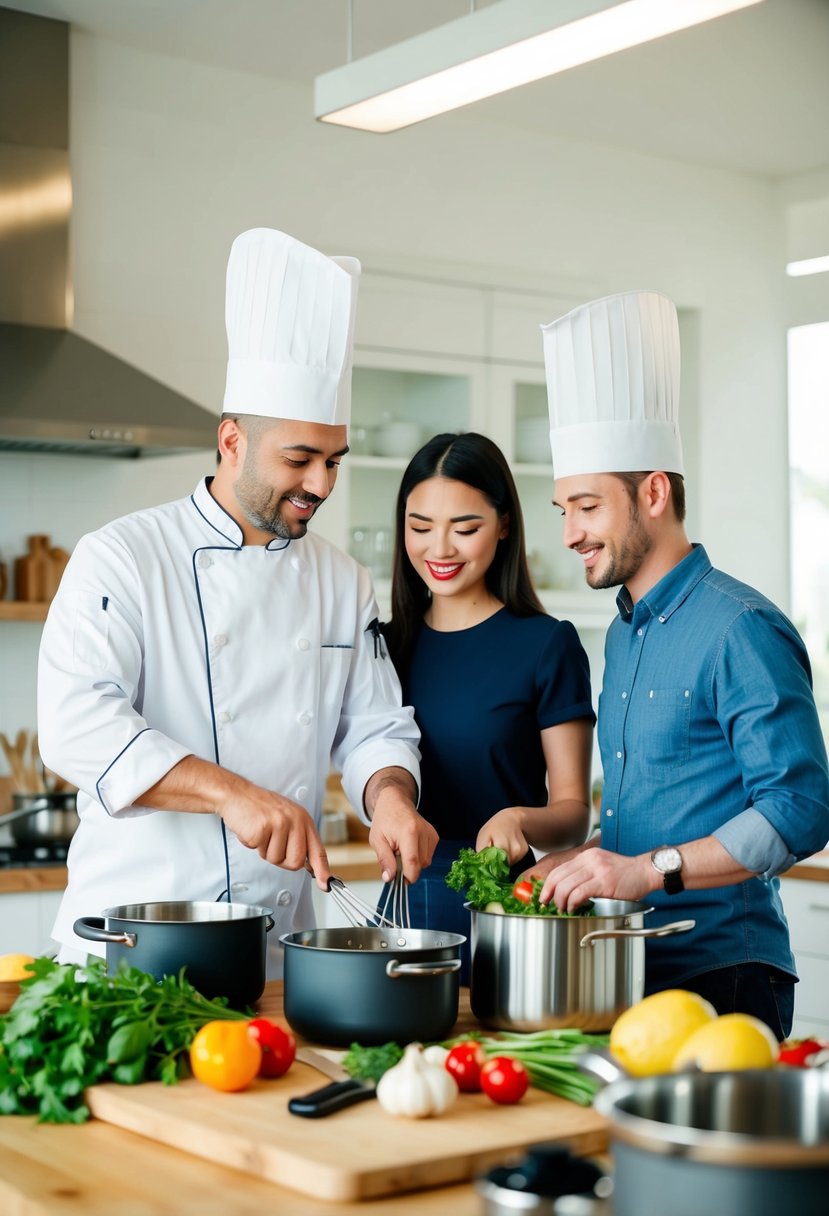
(645, 1038)
(735, 1040)
(13, 967)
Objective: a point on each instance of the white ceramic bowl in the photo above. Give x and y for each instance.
(397, 439)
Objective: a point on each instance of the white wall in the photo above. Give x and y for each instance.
(171, 159)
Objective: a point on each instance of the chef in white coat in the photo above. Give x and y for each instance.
(207, 661)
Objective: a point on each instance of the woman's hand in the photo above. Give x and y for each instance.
(505, 831)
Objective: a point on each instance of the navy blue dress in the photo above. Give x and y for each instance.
(481, 698)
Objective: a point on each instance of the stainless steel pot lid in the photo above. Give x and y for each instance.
(185, 912)
(370, 940)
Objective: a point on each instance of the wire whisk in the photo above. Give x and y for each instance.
(396, 902)
(394, 913)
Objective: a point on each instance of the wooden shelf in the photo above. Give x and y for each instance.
(17, 610)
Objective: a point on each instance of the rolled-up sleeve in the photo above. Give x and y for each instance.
(765, 706)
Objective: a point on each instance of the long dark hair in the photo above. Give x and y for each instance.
(480, 463)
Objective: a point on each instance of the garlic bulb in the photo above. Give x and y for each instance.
(415, 1088)
(436, 1054)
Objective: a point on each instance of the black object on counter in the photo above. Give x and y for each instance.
(549, 1172)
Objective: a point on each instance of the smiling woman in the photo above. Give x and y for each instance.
(500, 690)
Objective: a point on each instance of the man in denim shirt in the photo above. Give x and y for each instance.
(715, 769)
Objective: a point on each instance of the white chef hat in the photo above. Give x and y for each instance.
(289, 312)
(613, 386)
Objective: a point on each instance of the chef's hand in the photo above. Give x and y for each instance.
(504, 831)
(396, 826)
(281, 831)
(595, 873)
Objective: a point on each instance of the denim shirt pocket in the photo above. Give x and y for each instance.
(665, 721)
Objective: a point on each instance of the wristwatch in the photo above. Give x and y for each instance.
(667, 861)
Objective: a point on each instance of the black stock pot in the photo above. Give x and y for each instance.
(371, 986)
(221, 946)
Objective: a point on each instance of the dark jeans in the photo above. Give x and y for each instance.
(754, 988)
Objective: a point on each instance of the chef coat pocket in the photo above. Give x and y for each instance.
(90, 635)
(335, 664)
(665, 722)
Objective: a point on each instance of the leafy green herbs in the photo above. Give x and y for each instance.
(71, 1027)
(369, 1063)
(484, 876)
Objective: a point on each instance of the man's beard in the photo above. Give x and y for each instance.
(257, 502)
(624, 559)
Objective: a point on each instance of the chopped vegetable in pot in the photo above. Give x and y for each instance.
(484, 877)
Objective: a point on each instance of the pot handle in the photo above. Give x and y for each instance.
(92, 929)
(269, 923)
(600, 935)
(394, 968)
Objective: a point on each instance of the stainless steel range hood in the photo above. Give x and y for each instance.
(58, 391)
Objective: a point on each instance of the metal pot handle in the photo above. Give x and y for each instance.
(600, 935)
(92, 929)
(269, 923)
(394, 968)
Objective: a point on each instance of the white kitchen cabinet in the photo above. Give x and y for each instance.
(26, 920)
(806, 904)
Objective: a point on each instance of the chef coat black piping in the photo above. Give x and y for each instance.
(109, 766)
(236, 544)
(223, 549)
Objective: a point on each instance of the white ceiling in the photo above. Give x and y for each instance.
(748, 92)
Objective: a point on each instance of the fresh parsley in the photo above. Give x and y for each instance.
(71, 1027)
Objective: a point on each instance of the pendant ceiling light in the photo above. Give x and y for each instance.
(492, 50)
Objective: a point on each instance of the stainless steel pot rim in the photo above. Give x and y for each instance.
(369, 940)
(184, 912)
(711, 1146)
(603, 909)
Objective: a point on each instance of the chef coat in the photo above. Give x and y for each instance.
(169, 637)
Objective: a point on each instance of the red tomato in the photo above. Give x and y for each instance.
(797, 1051)
(523, 890)
(464, 1063)
(278, 1046)
(225, 1056)
(504, 1080)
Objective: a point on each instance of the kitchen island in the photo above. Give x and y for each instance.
(98, 1170)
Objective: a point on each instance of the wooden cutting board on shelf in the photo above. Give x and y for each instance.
(358, 1153)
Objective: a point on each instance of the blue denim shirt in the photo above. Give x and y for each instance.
(708, 726)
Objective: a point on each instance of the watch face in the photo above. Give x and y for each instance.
(667, 860)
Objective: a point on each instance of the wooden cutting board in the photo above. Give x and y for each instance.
(359, 1153)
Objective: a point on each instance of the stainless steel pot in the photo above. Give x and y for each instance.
(366, 985)
(42, 818)
(537, 972)
(221, 946)
(742, 1143)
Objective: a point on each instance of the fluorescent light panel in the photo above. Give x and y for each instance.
(493, 50)
(808, 266)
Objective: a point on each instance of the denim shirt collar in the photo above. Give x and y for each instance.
(665, 597)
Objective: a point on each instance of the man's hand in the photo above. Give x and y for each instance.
(281, 831)
(594, 873)
(396, 825)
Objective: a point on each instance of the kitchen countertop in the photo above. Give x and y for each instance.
(96, 1169)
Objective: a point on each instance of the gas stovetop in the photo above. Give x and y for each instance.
(13, 856)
